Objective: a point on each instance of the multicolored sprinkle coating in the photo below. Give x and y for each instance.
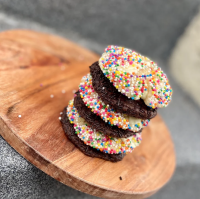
(98, 140)
(92, 100)
(136, 76)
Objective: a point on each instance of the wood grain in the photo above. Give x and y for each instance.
(34, 66)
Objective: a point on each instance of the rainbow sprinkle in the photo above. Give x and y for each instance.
(97, 106)
(136, 76)
(106, 144)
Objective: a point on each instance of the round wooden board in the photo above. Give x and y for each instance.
(38, 74)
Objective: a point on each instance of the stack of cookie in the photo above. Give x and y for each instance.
(115, 101)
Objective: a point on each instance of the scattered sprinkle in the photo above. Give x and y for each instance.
(59, 118)
(63, 91)
(52, 96)
(19, 116)
(120, 178)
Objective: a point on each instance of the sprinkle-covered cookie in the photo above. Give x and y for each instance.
(86, 149)
(98, 140)
(109, 115)
(136, 76)
(97, 123)
(116, 100)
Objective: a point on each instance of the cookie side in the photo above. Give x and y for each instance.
(97, 123)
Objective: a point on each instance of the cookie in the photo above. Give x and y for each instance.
(119, 102)
(107, 114)
(98, 140)
(97, 123)
(87, 150)
(136, 76)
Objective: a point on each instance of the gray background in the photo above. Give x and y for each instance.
(151, 27)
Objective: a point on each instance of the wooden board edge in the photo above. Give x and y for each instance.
(41, 163)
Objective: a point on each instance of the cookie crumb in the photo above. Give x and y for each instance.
(81, 58)
(120, 178)
(62, 67)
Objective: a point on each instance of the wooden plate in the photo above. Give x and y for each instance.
(38, 74)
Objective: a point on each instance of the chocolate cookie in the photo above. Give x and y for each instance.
(97, 123)
(87, 150)
(119, 102)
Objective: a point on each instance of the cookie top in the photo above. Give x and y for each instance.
(97, 123)
(116, 100)
(93, 101)
(91, 137)
(136, 76)
(86, 149)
